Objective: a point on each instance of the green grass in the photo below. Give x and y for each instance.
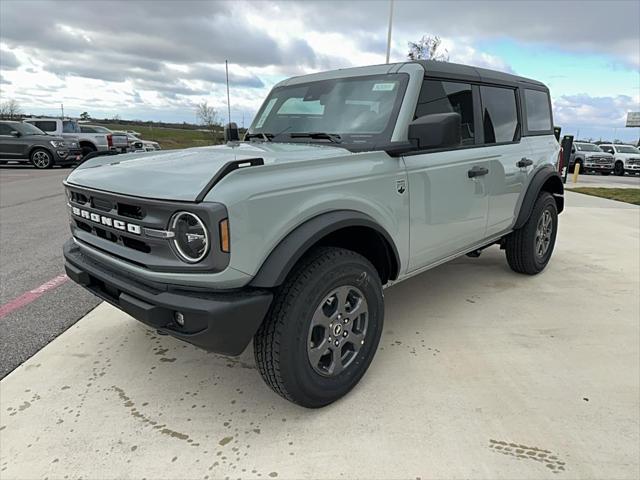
(170, 138)
(628, 195)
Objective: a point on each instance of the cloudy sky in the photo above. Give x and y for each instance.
(155, 60)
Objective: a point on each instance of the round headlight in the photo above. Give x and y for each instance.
(191, 239)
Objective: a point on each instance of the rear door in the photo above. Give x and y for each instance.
(448, 208)
(502, 138)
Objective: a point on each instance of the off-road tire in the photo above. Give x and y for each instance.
(618, 169)
(520, 245)
(41, 158)
(280, 345)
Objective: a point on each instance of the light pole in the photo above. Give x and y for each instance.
(389, 30)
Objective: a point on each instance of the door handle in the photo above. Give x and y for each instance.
(477, 171)
(524, 162)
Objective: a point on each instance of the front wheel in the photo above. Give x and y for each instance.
(41, 158)
(322, 329)
(618, 169)
(530, 247)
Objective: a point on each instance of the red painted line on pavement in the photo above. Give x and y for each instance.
(31, 295)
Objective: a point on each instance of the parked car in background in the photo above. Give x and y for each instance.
(626, 157)
(590, 158)
(138, 145)
(23, 142)
(115, 140)
(88, 141)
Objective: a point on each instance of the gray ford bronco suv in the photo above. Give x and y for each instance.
(346, 182)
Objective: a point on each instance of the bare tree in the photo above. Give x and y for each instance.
(428, 48)
(10, 110)
(207, 116)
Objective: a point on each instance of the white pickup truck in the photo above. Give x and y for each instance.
(94, 139)
(118, 140)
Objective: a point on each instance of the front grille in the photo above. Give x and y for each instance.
(634, 161)
(130, 211)
(117, 224)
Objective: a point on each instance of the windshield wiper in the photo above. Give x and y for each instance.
(267, 137)
(333, 137)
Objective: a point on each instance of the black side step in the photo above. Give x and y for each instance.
(226, 170)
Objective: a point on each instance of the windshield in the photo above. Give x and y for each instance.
(360, 110)
(588, 147)
(28, 129)
(626, 149)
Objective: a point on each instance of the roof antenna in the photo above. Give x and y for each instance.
(231, 133)
(226, 67)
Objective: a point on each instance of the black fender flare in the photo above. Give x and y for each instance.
(548, 179)
(285, 255)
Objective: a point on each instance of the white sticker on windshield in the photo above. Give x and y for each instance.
(383, 87)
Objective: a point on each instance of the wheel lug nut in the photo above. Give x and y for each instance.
(346, 320)
(337, 343)
(339, 316)
(329, 339)
(345, 334)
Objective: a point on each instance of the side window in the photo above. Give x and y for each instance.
(500, 115)
(437, 96)
(538, 113)
(84, 129)
(69, 127)
(45, 125)
(5, 129)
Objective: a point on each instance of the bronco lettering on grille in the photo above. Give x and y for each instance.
(107, 221)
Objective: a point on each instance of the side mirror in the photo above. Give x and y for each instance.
(438, 130)
(15, 133)
(231, 133)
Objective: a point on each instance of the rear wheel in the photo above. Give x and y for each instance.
(323, 328)
(41, 158)
(529, 248)
(618, 168)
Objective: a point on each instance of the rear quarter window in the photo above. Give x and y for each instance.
(500, 115)
(45, 125)
(538, 110)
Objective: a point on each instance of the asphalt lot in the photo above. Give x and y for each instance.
(33, 227)
(481, 373)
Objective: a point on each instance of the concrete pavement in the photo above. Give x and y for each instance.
(481, 373)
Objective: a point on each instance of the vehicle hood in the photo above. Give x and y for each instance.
(628, 156)
(183, 174)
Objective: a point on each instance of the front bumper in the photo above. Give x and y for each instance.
(68, 156)
(222, 322)
(599, 167)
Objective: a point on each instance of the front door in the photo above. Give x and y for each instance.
(448, 208)
(11, 147)
(448, 195)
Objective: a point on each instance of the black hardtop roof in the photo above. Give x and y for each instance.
(469, 73)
